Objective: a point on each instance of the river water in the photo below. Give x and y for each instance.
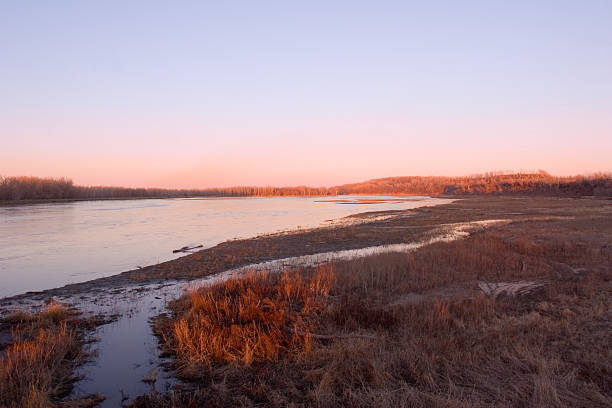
(49, 245)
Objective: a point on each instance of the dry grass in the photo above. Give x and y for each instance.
(434, 339)
(254, 319)
(36, 369)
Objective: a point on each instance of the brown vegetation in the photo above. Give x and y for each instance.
(34, 188)
(255, 319)
(406, 226)
(410, 329)
(37, 366)
(540, 183)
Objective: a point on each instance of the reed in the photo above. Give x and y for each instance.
(37, 367)
(253, 319)
(410, 330)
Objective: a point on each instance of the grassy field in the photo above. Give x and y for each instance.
(37, 364)
(514, 315)
(518, 313)
(405, 227)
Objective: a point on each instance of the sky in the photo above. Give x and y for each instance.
(209, 93)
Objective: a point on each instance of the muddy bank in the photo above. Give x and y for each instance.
(483, 320)
(372, 229)
(51, 246)
(128, 346)
(127, 362)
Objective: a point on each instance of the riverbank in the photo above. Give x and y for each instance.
(517, 313)
(83, 241)
(585, 221)
(394, 227)
(9, 203)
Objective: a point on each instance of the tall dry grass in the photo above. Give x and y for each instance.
(36, 369)
(411, 330)
(253, 319)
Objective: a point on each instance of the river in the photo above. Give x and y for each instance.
(50, 245)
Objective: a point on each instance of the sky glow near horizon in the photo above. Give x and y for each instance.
(201, 94)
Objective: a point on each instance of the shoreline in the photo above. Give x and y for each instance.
(136, 275)
(133, 298)
(106, 238)
(400, 226)
(133, 277)
(4, 203)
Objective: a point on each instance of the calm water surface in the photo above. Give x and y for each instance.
(49, 245)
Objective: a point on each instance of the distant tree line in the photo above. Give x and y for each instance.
(530, 183)
(36, 188)
(33, 188)
(541, 183)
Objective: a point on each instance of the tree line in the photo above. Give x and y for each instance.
(542, 183)
(530, 183)
(36, 188)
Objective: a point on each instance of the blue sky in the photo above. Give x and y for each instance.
(216, 93)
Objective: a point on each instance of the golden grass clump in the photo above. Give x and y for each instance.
(256, 318)
(36, 368)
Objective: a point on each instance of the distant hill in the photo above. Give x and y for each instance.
(489, 183)
(14, 189)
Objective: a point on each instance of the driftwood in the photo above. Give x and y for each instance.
(187, 249)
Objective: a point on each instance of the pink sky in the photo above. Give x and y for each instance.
(318, 93)
(327, 153)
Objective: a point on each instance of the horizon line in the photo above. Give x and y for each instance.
(494, 173)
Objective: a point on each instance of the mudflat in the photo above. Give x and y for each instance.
(371, 229)
(515, 311)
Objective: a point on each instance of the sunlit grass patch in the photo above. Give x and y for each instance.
(409, 329)
(256, 318)
(37, 367)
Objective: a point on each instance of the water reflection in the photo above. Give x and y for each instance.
(108, 237)
(50, 245)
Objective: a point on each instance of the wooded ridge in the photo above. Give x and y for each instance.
(540, 183)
